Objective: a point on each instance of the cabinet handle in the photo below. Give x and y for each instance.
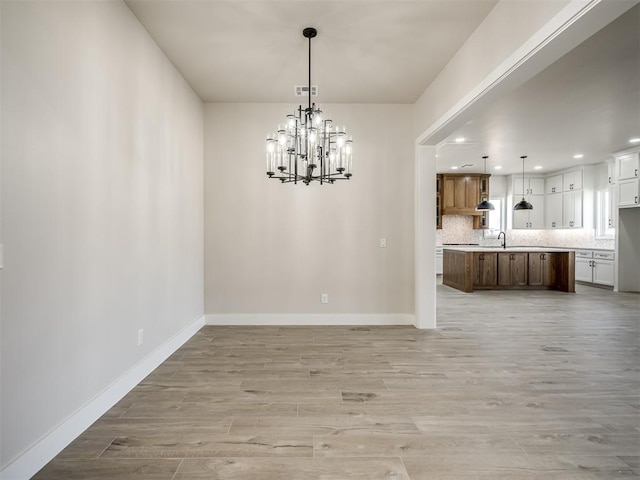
(636, 199)
(609, 179)
(635, 172)
(553, 224)
(609, 222)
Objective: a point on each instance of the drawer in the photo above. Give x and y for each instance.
(604, 255)
(584, 253)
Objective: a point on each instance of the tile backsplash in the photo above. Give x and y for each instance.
(459, 229)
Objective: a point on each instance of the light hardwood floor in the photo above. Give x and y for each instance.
(512, 385)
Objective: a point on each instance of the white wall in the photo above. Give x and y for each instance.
(102, 207)
(273, 249)
(628, 251)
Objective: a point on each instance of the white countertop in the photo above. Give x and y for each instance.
(518, 248)
(471, 248)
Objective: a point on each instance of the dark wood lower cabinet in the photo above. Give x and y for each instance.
(485, 269)
(513, 269)
(542, 269)
(470, 270)
(566, 272)
(456, 269)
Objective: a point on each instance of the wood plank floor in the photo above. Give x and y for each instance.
(512, 385)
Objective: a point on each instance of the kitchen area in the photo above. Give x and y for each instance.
(558, 159)
(584, 226)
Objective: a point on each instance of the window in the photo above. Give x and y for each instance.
(495, 218)
(605, 222)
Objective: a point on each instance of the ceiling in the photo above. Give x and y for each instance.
(382, 51)
(389, 51)
(587, 103)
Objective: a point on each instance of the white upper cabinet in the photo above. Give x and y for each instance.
(553, 184)
(536, 186)
(553, 210)
(532, 186)
(611, 170)
(564, 200)
(627, 166)
(531, 219)
(572, 209)
(572, 180)
(629, 193)
(628, 180)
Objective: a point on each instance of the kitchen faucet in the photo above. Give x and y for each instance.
(504, 240)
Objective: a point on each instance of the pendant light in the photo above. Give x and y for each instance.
(484, 205)
(523, 204)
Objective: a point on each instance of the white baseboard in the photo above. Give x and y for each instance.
(39, 454)
(309, 319)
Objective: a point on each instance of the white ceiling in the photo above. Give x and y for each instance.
(388, 51)
(366, 51)
(588, 102)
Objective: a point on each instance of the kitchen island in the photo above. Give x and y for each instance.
(486, 268)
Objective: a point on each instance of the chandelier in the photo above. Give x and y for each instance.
(308, 147)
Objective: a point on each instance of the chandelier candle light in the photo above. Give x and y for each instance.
(308, 147)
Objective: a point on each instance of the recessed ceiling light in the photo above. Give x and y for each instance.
(460, 140)
(498, 167)
(578, 155)
(538, 167)
(631, 140)
(454, 168)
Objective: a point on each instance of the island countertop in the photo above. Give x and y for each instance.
(469, 268)
(479, 248)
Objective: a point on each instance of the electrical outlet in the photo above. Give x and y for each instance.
(383, 243)
(140, 336)
(324, 298)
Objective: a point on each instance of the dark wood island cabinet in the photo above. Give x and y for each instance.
(476, 268)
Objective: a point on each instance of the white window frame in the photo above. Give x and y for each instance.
(495, 226)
